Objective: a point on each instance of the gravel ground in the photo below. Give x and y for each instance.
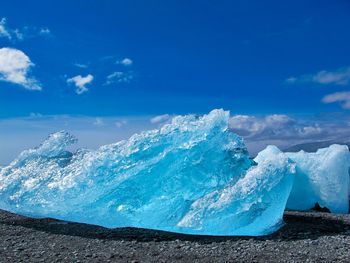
(306, 237)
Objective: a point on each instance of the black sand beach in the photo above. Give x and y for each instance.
(306, 237)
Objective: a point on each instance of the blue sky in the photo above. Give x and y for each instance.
(121, 60)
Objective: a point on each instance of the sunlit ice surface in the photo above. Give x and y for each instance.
(191, 176)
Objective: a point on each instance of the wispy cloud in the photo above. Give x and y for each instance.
(3, 30)
(340, 97)
(160, 118)
(340, 76)
(15, 67)
(80, 65)
(119, 77)
(80, 83)
(44, 31)
(125, 62)
(121, 123)
(20, 34)
(35, 115)
(98, 122)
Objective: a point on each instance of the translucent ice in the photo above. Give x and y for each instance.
(191, 176)
(253, 205)
(321, 177)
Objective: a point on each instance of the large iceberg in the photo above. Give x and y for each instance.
(192, 176)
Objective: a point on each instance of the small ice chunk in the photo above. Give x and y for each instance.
(321, 177)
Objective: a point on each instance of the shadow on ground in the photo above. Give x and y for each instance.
(298, 225)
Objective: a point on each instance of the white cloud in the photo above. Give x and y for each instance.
(119, 77)
(341, 97)
(276, 126)
(15, 67)
(81, 82)
(310, 130)
(284, 131)
(255, 124)
(340, 76)
(160, 118)
(125, 62)
(245, 123)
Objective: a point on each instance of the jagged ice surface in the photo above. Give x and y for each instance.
(191, 176)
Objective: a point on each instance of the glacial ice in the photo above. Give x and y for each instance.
(192, 176)
(321, 177)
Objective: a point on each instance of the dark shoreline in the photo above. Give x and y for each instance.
(313, 236)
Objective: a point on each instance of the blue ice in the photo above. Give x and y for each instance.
(193, 176)
(321, 177)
